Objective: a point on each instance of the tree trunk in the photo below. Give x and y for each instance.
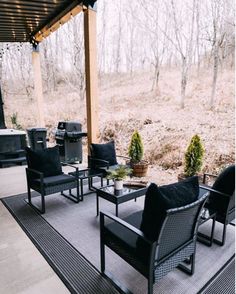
(156, 75)
(183, 82)
(215, 74)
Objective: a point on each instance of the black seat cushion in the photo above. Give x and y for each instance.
(56, 180)
(105, 152)
(127, 237)
(225, 183)
(125, 241)
(159, 199)
(46, 161)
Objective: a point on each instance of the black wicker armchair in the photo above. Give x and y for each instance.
(221, 199)
(44, 175)
(174, 246)
(103, 157)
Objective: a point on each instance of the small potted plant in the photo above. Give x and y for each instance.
(135, 152)
(193, 158)
(118, 175)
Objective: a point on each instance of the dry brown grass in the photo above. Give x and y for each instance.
(127, 104)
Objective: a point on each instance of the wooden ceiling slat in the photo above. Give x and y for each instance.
(27, 4)
(12, 30)
(32, 14)
(22, 20)
(23, 11)
(8, 18)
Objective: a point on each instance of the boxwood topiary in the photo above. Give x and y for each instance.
(193, 157)
(135, 150)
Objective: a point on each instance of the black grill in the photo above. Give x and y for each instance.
(69, 138)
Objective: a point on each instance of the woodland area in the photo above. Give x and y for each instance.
(166, 68)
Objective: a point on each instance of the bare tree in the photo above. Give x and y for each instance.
(221, 21)
(183, 40)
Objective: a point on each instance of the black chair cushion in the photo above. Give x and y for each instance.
(46, 161)
(125, 241)
(56, 180)
(225, 183)
(105, 152)
(159, 199)
(127, 237)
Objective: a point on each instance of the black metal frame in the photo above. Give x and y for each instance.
(158, 264)
(118, 199)
(101, 164)
(31, 174)
(81, 176)
(203, 238)
(224, 219)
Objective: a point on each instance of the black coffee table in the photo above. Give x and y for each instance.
(119, 196)
(87, 174)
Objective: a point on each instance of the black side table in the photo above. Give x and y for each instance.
(117, 197)
(87, 174)
(205, 216)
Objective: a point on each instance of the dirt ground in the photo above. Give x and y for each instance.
(127, 103)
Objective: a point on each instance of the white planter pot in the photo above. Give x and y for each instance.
(118, 185)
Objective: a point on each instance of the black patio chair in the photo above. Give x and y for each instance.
(103, 157)
(221, 199)
(155, 241)
(44, 175)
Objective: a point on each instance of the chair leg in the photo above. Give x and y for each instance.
(205, 239)
(189, 271)
(192, 258)
(150, 285)
(79, 198)
(29, 194)
(71, 197)
(40, 210)
(43, 203)
(102, 252)
(222, 241)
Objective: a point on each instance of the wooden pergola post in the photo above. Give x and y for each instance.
(91, 75)
(2, 118)
(38, 86)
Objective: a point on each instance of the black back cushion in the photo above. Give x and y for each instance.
(105, 152)
(46, 161)
(159, 199)
(225, 183)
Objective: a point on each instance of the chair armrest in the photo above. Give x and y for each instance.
(71, 165)
(33, 171)
(99, 161)
(124, 224)
(67, 164)
(31, 174)
(125, 157)
(215, 191)
(208, 175)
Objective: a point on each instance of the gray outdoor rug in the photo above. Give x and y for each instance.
(78, 224)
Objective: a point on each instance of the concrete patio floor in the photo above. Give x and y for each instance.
(22, 267)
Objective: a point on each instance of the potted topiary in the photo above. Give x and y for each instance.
(135, 152)
(118, 175)
(193, 158)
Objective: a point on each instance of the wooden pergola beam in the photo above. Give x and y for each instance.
(54, 25)
(91, 75)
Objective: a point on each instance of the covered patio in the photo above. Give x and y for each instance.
(23, 268)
